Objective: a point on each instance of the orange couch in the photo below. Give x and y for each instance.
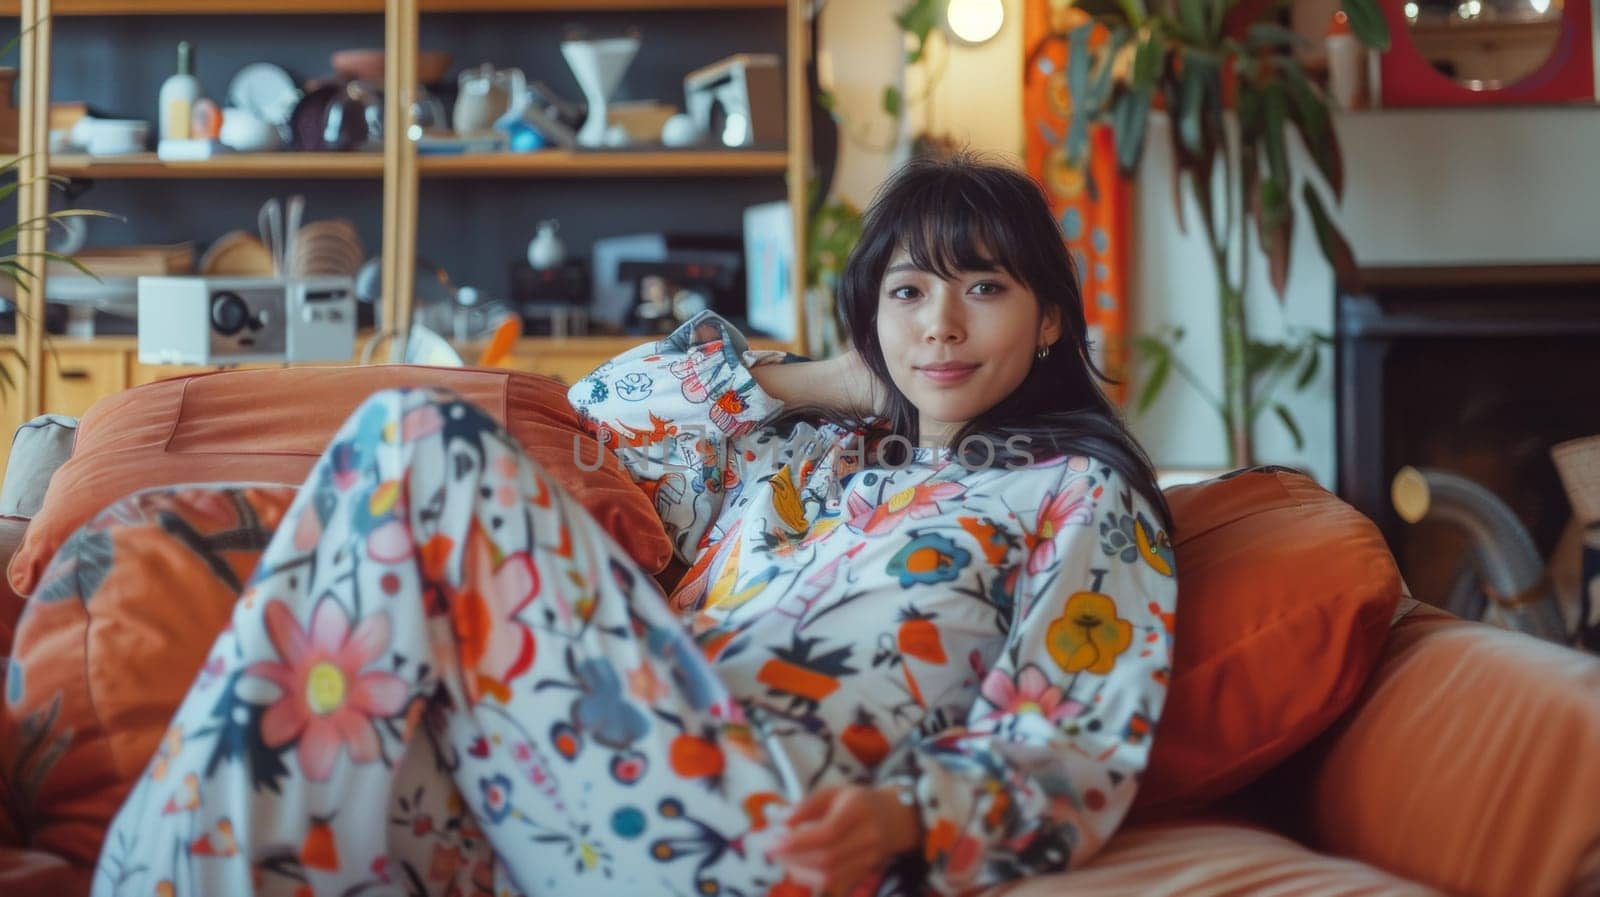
(1469, 763)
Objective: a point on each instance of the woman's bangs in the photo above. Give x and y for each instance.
(944, 233)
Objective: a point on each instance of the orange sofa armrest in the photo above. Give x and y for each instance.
(1471, 763)
(11, 530)
(37, 872)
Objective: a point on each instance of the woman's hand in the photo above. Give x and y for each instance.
(860, 391)
(841, 838)
(842, 382)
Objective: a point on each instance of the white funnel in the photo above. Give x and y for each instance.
(599, 66)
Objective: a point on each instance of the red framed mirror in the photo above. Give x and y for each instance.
(1494, 52)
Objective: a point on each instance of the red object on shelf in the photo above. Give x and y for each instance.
(1567, 76)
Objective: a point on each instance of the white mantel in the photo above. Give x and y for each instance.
(1423, 187)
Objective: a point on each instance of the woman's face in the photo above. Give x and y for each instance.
(957, 347)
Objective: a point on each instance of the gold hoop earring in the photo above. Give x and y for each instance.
(1043, 353)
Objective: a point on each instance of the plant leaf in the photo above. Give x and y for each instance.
(1079, 57)
(1160, 355)
(1270, 35)
(1334, 247)
(1129, 114)
(1077, 141)
(1192, 21)
(1288, 423)
(1275, 228)
(1147, 62)
(918, 18)
(1261, 357)
(1191, 105)
(1308, 109)
(1367, 23)
(69, 260)
(1309, 371)
(891, 101)
(1106, 64)
(1273, 114)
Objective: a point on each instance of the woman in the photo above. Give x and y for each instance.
(924, 641)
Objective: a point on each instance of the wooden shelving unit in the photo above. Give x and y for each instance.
(399, 166)
(545, 163)
(345, 7)
(238, 165)
(575, 163)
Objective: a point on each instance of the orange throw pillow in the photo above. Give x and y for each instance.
(1285, 595)
(268, 426)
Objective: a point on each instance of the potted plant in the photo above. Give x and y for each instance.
(18, 268)
(1201, 60)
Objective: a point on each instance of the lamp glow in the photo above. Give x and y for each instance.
(1413, 10)
(975, 21)
(1540, 6)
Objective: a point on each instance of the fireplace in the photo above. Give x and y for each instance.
(1473, 370)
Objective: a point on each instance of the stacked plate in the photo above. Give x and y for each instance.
(328, 248)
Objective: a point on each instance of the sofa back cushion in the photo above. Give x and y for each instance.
(268, 426)
(1285, 595)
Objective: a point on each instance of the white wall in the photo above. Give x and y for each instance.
(977, 98)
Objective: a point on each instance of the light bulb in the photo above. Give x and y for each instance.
(1540, 6)
(975, 21)
(1412, 11)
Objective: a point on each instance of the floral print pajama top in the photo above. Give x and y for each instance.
(998, 641)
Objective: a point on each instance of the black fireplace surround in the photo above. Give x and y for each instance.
(1475, 370)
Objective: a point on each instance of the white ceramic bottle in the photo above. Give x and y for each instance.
(178, 95)
(546, 249)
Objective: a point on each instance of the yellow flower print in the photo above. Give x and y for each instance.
(1088, 635)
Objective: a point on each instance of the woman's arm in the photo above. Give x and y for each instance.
(1047, 763)
(843, 383)
(678, 413)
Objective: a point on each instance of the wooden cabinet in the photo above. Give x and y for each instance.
(10, 404)
(75, 378)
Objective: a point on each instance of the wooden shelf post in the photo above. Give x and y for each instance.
(401, 25)
(33, 198)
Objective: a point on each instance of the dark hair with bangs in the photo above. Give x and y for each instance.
(966, 213)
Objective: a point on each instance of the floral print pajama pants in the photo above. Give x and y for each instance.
(446, 678)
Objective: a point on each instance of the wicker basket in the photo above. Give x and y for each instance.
(1578, 463)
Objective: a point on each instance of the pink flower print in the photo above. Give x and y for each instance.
(327, 700)
(495, 645)
(921, 500)
(1031, 692)
(1059, 510)
(419, 422)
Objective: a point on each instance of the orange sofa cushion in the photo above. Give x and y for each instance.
(237, 426)
(1212, 858)
(109, 644)
(1285, 594)
(1472, 763)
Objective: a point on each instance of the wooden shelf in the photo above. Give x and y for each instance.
(606, 163)
(543, 164)
(599, 344)
(198, 7)
(590, 5)
(320, 7)
(235, 165)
